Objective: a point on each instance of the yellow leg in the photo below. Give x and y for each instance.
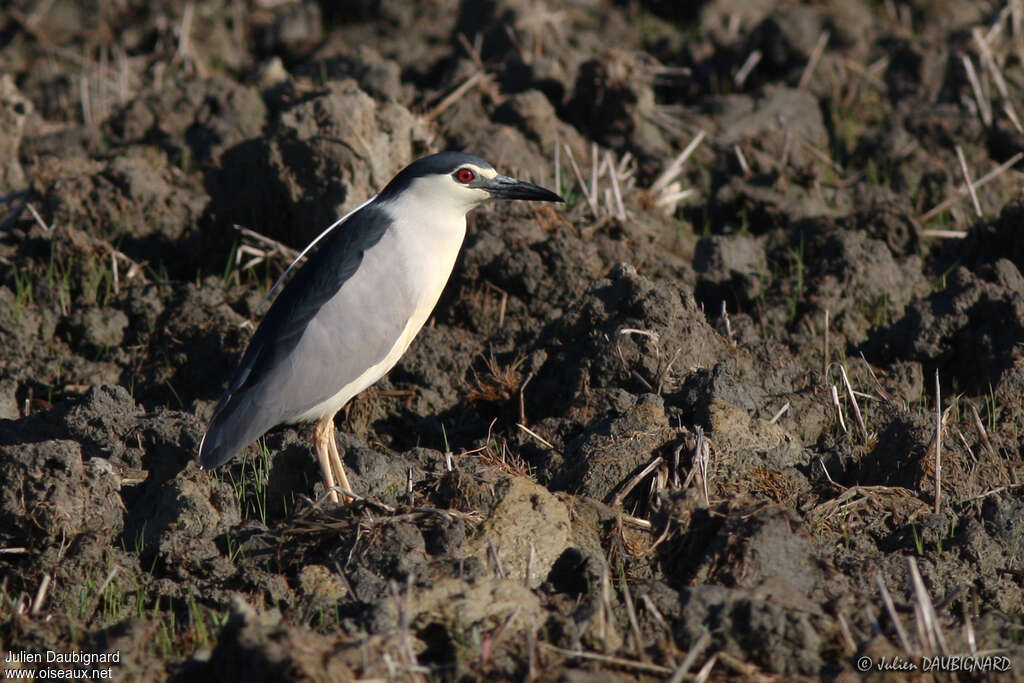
(338, 466)
(323, 440)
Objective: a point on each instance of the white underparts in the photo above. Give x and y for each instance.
(425, 246)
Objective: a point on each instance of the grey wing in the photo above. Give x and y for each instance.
(340, 316)
(343, 345)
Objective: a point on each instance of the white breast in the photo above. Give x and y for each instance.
(420, 250)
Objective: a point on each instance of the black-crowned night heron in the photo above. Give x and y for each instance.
(352, 310)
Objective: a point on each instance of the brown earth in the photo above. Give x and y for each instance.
(657, 469)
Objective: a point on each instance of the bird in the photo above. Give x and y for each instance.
(352, 310)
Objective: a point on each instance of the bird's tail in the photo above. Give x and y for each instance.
(235, 424)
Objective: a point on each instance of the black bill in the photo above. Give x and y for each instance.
(503, 187)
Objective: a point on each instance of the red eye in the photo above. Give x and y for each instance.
(464, 175)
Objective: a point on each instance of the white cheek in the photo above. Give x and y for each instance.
(471, 195)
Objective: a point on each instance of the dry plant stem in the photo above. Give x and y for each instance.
(530, 559)
(1017, 26)
(748, 65)
(653, 336)
(980, 426)
(967, 180)
(99, 593)
(869, 74)
(558, 164)
(404, 609)
(258, 256)
(500, 631)
(624, 172)
(184, 53)
(824, 158)
(853, 402)
(39, 219)
(665, 374)
(984, 106)
(829, 476)
(676, 197)
(778, 415)
(992, 492)
(473, 49)
(1011, 114)
(843, 501)
(844, 628)
(607, 618)
(945, 234)
(675, 466)
(703, 454)
(113, 270)
(972, 642)
(745, 669)
(639, 477)
(454, 96)
(591, 201)
(659, 482)
(522, 398)
(812, 62)
(531, 648)
(636, 522)
(938, 445)
(787, 144)
(670, 173)
(839, 408)
(893, 614)
(691, 657)
(928, 620)
(494, 555)
(536, 436)
(825, 370)
(744, 166)
(705, 671)
(878, 385)
(962, 191)
(652, 610)
(274, 245)
(620, 209)
(608, 659)
(725, 319)
(967, 446)
(989, 62)
(44, 587)
(627, 597)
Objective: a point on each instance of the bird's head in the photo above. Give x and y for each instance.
(457, 181)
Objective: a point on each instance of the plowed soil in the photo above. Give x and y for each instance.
(749, 405)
